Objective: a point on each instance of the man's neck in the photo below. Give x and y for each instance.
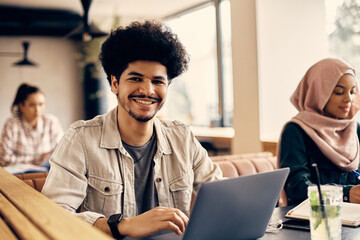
(134, 132)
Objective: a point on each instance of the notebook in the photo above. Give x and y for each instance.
(235, 208)
(350, 213)
(25, 168)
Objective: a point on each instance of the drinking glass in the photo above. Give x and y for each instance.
(325, 223)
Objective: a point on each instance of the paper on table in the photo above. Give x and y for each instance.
(350, 213)
(25, 168)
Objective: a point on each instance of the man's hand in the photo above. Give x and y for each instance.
(149, 222)
(154, 220)
(354, 194)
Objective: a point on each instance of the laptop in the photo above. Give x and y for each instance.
(235, 208)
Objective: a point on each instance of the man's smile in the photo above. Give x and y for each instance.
(143, 101)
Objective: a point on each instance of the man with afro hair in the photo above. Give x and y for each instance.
(127, 172)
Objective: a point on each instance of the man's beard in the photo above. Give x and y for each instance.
(137, 117)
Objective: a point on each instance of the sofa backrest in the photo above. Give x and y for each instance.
(245, 164)
(241, 156)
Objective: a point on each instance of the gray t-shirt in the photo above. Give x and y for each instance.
(145, 190)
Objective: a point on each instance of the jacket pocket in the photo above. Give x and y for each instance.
(104, 196)
(181, 190)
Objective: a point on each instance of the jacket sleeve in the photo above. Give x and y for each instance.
(66, 183)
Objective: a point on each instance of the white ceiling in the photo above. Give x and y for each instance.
(123, 8)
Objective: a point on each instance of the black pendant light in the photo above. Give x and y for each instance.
(85, 31)
(25, 61)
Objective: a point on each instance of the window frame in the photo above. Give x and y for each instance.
(219, 49)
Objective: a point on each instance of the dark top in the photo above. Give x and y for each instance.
(145, 190)
(298, 152)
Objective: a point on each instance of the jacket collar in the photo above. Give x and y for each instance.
(163, 142)
(110, 136)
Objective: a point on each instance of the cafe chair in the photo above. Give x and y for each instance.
(34, 180)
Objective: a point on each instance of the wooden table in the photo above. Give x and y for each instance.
(27, 214)
(219, 138)
(222, 134)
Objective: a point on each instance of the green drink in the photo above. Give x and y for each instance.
(325, 225)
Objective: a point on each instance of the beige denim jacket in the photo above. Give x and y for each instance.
(91, 172)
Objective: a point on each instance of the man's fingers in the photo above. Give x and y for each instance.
(175, 216)
(155, 220)
(184, 218)
(170, 226)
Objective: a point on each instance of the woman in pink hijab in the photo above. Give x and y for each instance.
(323, 132)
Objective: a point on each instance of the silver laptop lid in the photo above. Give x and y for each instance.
(236, 208)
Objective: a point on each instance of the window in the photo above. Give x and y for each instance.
(343, 29)
(194, 97)
(287, 49)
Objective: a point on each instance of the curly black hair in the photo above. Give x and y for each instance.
(149, 41)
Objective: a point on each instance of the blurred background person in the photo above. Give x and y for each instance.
(29, 136)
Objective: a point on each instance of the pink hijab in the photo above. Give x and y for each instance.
(336, 138)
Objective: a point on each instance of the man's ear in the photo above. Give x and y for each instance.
(114, 85)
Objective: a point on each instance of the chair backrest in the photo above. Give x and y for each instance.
(35, 180)
(241, 156)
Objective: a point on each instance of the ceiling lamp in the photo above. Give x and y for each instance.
(86, 31)
(25, 61)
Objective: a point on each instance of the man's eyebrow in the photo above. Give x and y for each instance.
(159, 78)
(140, 75)
(136, 74)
